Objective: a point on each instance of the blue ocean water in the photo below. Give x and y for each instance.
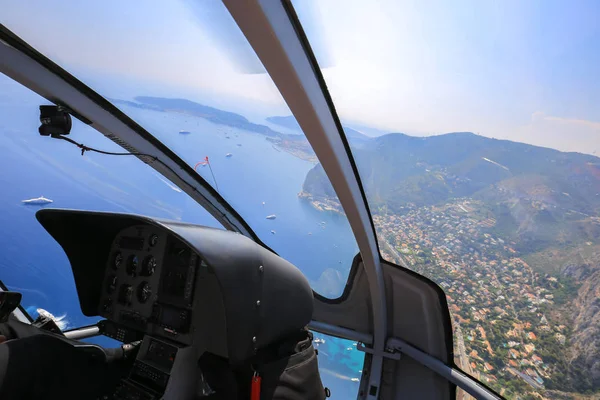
(256, 173)
(31, 166)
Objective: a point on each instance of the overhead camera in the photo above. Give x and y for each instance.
(56, 121)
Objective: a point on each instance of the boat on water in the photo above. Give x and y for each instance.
(184, 132)
(228, 155)
(273, 232)
(272, 216)
(239, 145)
(37, 201)
(355, 380)
(61, 321)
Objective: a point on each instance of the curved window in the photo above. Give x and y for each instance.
(40, 172)
(475, 129)
(186, 73)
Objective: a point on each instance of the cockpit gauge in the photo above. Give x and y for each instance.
(153, 240)
(117, 260)
(125, 294)
(132, 265)
(107, 306)
(148, 266)
(111, 284)
(144, 292)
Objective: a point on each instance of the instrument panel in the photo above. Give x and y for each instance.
(182, 289)
(149, 282)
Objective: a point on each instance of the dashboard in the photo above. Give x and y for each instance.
(182, 290)
(149, 283)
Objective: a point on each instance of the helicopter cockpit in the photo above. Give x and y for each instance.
(299, 199)
(185, 291)
(184, 294)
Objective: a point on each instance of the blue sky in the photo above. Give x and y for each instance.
(521, 70)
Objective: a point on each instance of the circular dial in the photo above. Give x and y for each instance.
(144, 292)
(107, 306)
(112, 284)
(125, 294)
(132, 265)
(117, 260)
(148, 266)
(153, 240)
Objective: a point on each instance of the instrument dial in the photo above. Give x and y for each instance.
(117, 260)
(112, 284)
(132, 265)
(144, 292)
(125, 294)
(107, 306)
(148, 266)
(153, 240)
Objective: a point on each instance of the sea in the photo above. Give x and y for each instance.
(257, 179)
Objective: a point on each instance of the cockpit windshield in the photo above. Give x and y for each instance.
(185, 72)
(477, 143)
(474, 129)
(41, 172)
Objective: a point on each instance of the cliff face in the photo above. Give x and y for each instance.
(584, 343)
(317, 185)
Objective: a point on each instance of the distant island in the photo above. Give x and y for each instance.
(297, 145)
(189, 107)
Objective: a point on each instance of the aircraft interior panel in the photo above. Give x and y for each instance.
(180, 292)
(149, 283)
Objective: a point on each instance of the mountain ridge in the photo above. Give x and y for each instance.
(397, 168)
(543, 202)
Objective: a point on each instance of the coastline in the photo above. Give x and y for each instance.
(323, 204)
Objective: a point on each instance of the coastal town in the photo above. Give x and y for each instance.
(507, 330)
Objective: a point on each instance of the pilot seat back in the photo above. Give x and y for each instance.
(285, 370)
(268, 303)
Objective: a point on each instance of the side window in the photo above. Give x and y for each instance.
(40, 172)
(340, 365)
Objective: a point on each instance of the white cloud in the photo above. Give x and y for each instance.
(539, 115)
(566, 134)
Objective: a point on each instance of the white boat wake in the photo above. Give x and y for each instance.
(61, 321)
(37, 201)
(169, 184)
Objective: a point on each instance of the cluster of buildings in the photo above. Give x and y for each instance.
(498, 303)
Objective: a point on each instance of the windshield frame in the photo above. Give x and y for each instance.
(295, 21)
(277, 37)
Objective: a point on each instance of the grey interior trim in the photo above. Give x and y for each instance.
(267, 27)
(82, 333)
(338, 331)
(455, 376)
(18, 313)
(40, 80)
